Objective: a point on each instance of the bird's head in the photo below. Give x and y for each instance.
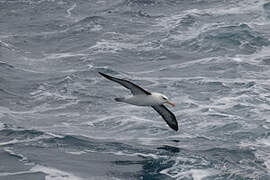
(164, 99)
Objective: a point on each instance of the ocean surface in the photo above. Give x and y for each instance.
(58, 117)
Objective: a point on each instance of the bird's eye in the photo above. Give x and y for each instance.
(164, 98)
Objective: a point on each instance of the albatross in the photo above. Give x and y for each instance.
(141, 97)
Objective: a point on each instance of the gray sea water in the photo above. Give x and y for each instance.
(58, 117)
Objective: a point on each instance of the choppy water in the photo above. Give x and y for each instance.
(58, 119)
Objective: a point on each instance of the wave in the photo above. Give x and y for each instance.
(211, 57)
(230, 163)
(16, 136)
(18, 132)
(54, 174)
(196, 174)
(169, 160)
(36, 171)
(229, 38)
(266, 8)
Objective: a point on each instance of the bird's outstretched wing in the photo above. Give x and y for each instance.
(167, 115)
(135, 89)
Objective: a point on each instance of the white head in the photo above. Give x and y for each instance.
(163, 99)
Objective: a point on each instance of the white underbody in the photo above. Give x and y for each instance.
(144, 100)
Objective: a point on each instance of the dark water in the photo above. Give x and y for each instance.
(58, 119)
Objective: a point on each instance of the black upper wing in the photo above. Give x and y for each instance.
(167, 115)
(135, 89)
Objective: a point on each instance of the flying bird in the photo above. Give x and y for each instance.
(141, 97)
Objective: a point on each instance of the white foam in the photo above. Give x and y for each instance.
(4, 44)
(14, 173)
(96, 28)
(76, 152)
(121, 153)
(14, 141)
(54, 56)
(241, 8)
(54, 174)
(110, 46)
(196, 174)
(114, 46)
(262, 146)
(70, 9)
(51, 173)
(11, 152)
(41, 95)
(264, 141)
(264, 154)
(253, 58)
(55, 135)
(2, 125)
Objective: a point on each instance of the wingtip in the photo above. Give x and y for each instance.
(174, 127)
(101, 73)
(104, 75)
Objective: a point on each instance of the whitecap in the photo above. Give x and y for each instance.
(71, 9)
(96, 28)
(55, 135)
(14, 173)
(54, 174)
(262, 146)
(264, 153)
(2, 125)
(10, 151)
(15, 141)
(115, 46)
(54, 56)
(75, 152)
(195, 174)
(154, 156)
(198, 174)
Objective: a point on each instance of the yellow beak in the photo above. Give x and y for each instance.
(170, 103)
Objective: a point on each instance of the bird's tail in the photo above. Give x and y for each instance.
(119, 99)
